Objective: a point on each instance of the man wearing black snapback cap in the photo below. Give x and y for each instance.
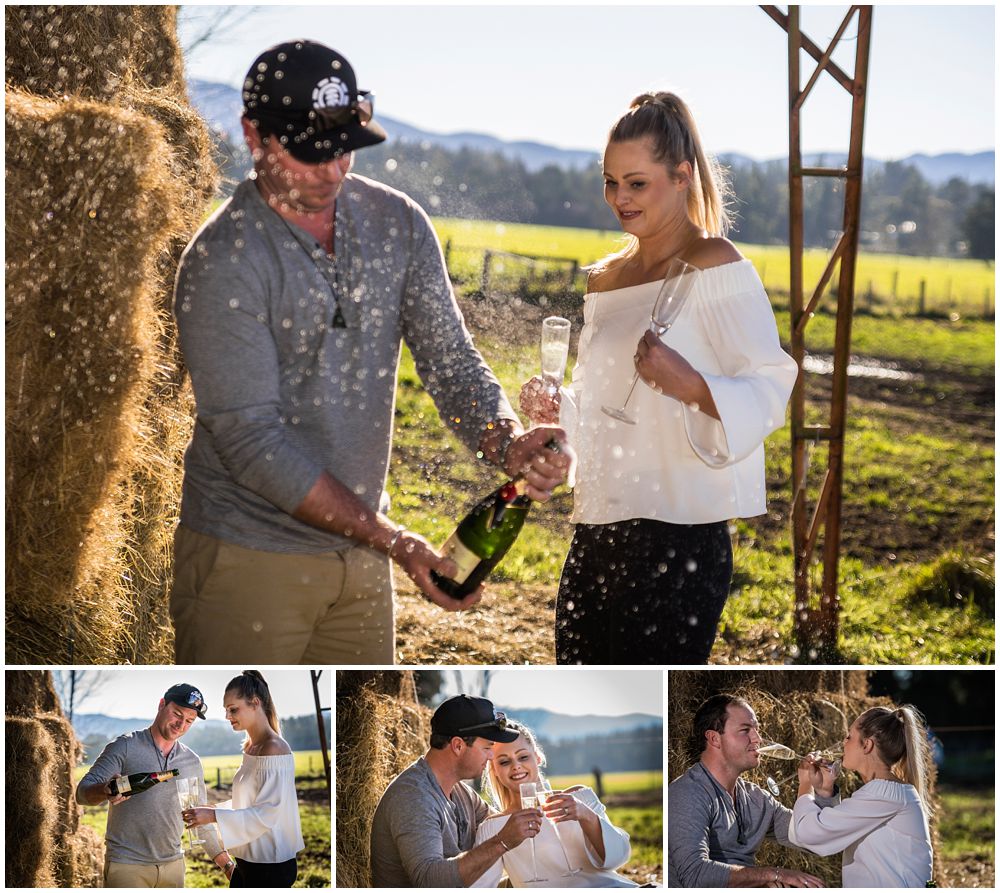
(424, 828)
(143, 837)
(292, 302)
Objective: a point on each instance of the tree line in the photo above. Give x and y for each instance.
(215, 738)
(902, 212)
(631, 750)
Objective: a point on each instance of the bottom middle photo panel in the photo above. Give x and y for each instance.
(521, 776)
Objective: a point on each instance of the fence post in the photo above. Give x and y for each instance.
(447, 253)
(870, 297)
(218, 778)
(895, 285)
(922, 307)
(572, 274)
(487, 257)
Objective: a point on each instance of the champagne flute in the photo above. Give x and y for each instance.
(544, 792)
(669, 303)
(191, 793)
(775, 751)
(555, 351)
(529, 800)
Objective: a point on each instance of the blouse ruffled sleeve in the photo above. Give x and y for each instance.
(240, 826)
(830, 830)
(752, 389)
(617, 847)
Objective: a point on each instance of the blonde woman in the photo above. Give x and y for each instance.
(576, 845)
(260, 826)
(882, 829)
(650, 565)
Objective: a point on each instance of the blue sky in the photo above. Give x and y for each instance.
(560, 74)
(572, 690)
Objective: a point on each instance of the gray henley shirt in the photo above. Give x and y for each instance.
(703, 830)
(417, 832)
(293, 356)
(146, 828)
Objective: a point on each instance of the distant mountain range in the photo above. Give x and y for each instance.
(220, 105)
(545, 723)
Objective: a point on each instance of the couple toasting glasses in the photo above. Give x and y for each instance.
(718, 820)
(253, 838)
(430, 829)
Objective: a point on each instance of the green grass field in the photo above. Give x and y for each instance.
(314, 812)
(952, 285)
(919, 486)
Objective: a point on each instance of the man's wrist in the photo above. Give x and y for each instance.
(499, 840)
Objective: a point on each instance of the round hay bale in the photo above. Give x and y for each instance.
(381, 729)
(91, 51)
(32, 805)
(29, 692)
(805, 710)
(104, 599)
(83, 325)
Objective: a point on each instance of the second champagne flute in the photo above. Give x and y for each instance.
(544, 792)
(529, 800)
(677, 285)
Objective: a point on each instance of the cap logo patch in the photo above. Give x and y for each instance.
(330, 93)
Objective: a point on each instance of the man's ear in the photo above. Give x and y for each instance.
(713, 738)
(252, 137)
(457, 746)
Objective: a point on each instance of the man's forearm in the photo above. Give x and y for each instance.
(473, 863)
(92, 794)
(752, 876)
(329, 505)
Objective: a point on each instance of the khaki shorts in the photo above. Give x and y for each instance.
(156, 874)
(230, 604)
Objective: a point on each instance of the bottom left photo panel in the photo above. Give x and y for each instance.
(168, 777)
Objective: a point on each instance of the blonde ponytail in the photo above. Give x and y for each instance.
(900, 736)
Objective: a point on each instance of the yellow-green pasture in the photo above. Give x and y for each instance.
(952, 285)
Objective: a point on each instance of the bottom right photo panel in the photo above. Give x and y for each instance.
(831, 778)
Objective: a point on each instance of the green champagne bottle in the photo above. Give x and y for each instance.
(137, 782)
(483, 537)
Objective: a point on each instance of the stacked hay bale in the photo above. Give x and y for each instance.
(109, 172)
(381, 729)
(45, 844)
(803, 709)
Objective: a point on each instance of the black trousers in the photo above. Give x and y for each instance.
(264, 874)
(643, 592)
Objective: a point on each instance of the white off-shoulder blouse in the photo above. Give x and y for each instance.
(261, 823)
(552, 853)
(678, 464)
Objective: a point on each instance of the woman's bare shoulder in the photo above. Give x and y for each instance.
(274, 747)
(713, 252)
(601, 279)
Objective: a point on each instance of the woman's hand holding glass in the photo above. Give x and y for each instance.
(198, 815)
(539, 402)
(563, 807)
(818, 774)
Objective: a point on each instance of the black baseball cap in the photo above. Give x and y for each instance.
(186, 696)
(306, 95)
(468, 717)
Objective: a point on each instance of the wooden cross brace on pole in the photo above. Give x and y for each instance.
(817, 624)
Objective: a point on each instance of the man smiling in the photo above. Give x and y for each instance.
(718, 820)
(143, 838)
(292, 303)
(424, 828)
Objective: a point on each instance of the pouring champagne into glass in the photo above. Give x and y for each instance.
(677, 285)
